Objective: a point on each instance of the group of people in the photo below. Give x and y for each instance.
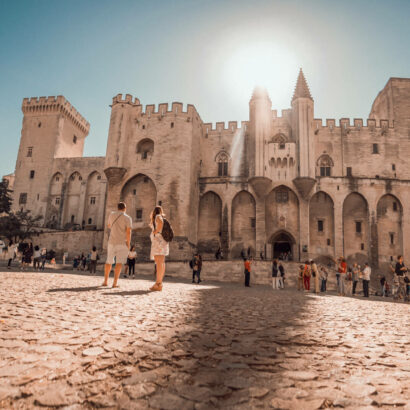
(89, 262)
(27, 254)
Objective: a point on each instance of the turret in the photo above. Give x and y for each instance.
(260, 107)
(302, 122)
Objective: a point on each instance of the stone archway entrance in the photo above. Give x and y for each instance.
(282, 243)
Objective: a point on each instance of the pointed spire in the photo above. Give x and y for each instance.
(301, 89)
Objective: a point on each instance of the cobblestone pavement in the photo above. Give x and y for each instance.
(66, 342)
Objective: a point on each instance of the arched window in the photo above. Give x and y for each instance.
(222, 160)
(279, 139)
(145, 147)
(325, 165)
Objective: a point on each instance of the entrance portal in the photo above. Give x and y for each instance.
(282, 246)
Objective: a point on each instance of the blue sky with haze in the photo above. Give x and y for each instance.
(207, 53)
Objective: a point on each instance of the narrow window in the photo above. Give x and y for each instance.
(75, 139)
(395, 206)
(253, 222)
(146, 179)
(391, 238)
(39, 124)
(139, 214)
(220, 169)
(393, 167)
(57, 179)
(322, 171)
(38, 197)
(225, 171)
(172, 125)
(358, 227)
(143, 127)
(349, 171)
(92, 200)
(72, 177)
(32, 172)
(90, 221)
(30, 151)
(57, 201)
(80, 178)
(320, 225)
(144, 155)
(134, 192)
(72, 218)
(23, 198)
(375, 148)
(362, 246)
(328, 242)
(99, 177)
(282, 145)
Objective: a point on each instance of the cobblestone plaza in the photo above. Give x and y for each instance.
(67, 342)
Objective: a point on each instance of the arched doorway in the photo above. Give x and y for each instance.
(282, 243)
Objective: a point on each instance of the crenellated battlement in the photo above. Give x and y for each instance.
(219, 127)
(356, 125)
(53, 104)
(127, 99)
(286, 114)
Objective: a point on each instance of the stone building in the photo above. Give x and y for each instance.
(274, 184)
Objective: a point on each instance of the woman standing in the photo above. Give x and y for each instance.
(11, 253)
(27, 255)
(93, 260)
(275, 274)
(159, 246)
(306, 275)
(131, 261)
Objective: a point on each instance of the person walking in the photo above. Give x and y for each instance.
(27, 255)
(119, 224)
(199, 263)
(366, 279)
(11, 253)
(247, 266)
(93, 260)
(275, 275)
(342, 269)
(400, 271)
(315, 274)
(323, 277)
(300, 277)
(306, 276)
(383, 286)
(282, 275)
(36, 258)
(159, 246)
(355, 278)
(132, 255)
(349, 282)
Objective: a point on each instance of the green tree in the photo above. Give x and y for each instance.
(5, 198)
(19, 226)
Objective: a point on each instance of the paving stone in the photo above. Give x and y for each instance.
(93, 351)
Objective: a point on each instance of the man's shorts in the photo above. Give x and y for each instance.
(120, 252)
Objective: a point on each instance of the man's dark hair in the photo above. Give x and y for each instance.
(94, 248)
(398, 257)
(121, 206)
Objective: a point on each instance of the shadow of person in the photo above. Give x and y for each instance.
(128, 293)
(83, 289)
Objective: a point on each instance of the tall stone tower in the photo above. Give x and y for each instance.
(302, 127)
(52, 128)
(260, 115)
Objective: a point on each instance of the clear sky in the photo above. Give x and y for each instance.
(207, 53)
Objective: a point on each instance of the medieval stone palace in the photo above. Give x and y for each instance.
(274, 184)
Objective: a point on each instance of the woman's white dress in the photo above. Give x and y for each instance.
(159, 246)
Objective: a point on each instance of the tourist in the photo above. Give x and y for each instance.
(247, 271)
(43, 255)
(93, 260)
(383, 286)
(119, 224)
(83, 262)
(315, 274)
(159, 246)
(366, 279)
(275, 274)
(306, 276)
(36, 258)
(11, 253)
(281, 276)
(218, 254)
(193, 266)
(342, 269)
(355, 277)
(323, 277)
(300, 277)
(400, 271)
(27, 255)
(132, 255)
(349, 282)
(199, 267)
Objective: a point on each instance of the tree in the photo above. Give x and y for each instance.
(19, 225)
(5, 198)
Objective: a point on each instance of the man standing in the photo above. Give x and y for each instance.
(342, 269)
(119, 240)
(247, 272)
(355, 277)
(366, 279)
(315, 274)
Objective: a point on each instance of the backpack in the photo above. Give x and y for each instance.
(167, 232)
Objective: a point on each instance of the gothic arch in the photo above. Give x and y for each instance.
(145, 148)
(356, 231)
(94, 200)
(209, 223)
(243, 232)
(324, 166)
(55, 201)
(72, 204)
(279, 138)
(321, 225)
(389, 228)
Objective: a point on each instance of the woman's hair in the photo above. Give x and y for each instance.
(36, 248)
(157, 211)
(94, 248)
(132, 248)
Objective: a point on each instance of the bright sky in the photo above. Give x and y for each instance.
(203, 52)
